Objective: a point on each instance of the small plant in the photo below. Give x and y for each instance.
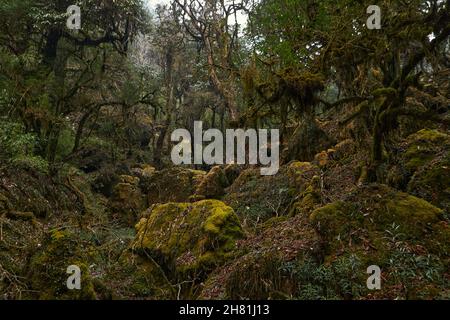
(14, 141)
(18, 147)
(35, 163)
(319, 281)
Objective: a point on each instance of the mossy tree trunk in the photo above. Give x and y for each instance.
(170, 102)
(58, 98)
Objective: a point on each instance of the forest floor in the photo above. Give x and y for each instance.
(309, 232)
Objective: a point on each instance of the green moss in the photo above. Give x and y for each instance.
(47, 269)
(186, 237)
(422, 147)
(171, 185)
(337, 223)
(391, 229)
(217, 219)
(56, 235)
(413, 215)
(384, 92)
(374, 214)
(429, 135)
(257, 198)
(432, 183)
(304, 83)
(308, 199)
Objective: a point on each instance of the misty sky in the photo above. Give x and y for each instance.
(242, 19)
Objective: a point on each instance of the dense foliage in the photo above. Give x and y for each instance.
(85, 123)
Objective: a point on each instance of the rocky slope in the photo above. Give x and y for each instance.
(309, 232)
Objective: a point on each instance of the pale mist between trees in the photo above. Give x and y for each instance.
(234, 146)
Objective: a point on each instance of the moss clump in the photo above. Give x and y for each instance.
(374, 214)
(432, 182)
(47, 269)
(308, 199)
(423, 147)
(423, 169)
(304, 84)
(429, 135)
(297, 169)
(188, 238)
(387, 92)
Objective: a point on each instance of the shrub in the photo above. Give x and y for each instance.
(14, 142)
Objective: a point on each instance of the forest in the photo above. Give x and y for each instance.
(93, 206)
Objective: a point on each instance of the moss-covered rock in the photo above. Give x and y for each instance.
(326, 255)
(171, 185)
(422, 167)
(256, 198)
(375, 209)
(213, 184)
(260, 269)
(432, 182)
(423, 147)
(377, 225)
(188, 238)
(48, 269)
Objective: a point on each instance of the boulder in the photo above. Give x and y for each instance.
(257, 198)
(213, 184)
(188, 238)
(325, 255)
(377, 225)
(174, 184)
(48, 266)
(423, 167)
